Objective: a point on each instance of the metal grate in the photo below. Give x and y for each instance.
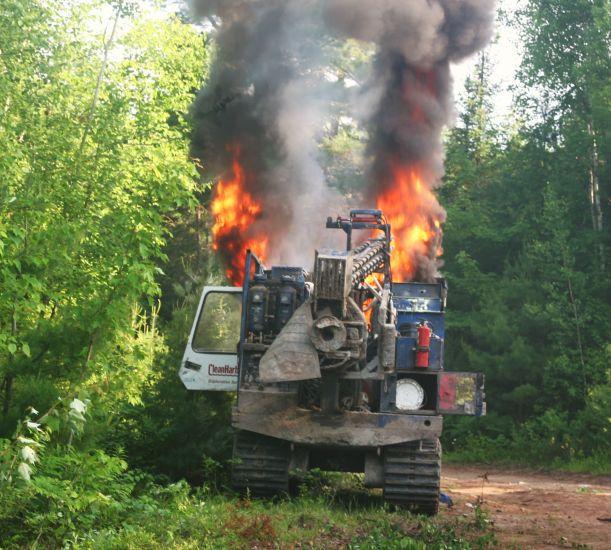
(330, 278)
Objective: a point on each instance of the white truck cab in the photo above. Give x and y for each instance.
(210, 361)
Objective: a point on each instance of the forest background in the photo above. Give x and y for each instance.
(105, 246)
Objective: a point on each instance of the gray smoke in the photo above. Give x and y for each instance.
(422, 31)
(412, 90)
(268, 94)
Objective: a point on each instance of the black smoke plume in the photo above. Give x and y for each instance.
(269, 95)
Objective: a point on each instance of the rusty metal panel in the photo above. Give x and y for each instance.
(276, 415)
(292, 356)
(461, 393)
(332, 275)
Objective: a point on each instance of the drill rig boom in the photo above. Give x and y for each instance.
(338, 332)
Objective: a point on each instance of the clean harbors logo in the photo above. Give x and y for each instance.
(222, 370)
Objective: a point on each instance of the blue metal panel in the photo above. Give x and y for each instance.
(405, 353)
(417, 303)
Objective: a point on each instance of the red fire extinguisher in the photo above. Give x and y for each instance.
(424, 346)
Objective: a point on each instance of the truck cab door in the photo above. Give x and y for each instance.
(461, 393)
(210, 361)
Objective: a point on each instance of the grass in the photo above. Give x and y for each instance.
(332, 512)
(593, 465)
(596, 465)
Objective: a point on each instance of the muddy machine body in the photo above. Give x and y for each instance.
(338, 369)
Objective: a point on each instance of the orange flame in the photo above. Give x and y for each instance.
(235, 210)
(373, 280)
(415, 218)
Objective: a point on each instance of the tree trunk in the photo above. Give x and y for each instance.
(96, 93)
(594, 192)
(593, 178)
(7, 383)
(7, 386)
(582, 359)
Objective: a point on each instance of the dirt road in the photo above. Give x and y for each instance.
(532, 510)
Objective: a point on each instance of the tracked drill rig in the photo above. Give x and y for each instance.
(338, 369)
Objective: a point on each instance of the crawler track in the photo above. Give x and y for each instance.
(412, 475)
(261, 465)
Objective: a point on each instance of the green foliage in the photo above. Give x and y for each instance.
(95, 133)
(525, 252)
(342, 155)
(53, 494)
(90, 499)
(171, 431)
(554, 439)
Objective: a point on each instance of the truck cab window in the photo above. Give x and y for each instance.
(218, 326)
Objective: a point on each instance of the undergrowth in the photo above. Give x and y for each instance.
(553, 440)
(91, 500)
(203, 520)
(123, 515)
